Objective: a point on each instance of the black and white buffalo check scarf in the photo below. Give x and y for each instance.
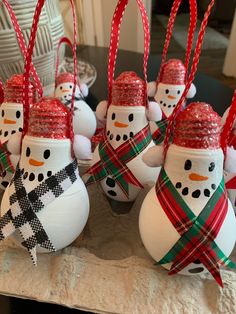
(24, 205)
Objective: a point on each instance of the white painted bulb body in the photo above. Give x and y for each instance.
(157, 232)
(167, 96)
(65, 217)
(123, 123)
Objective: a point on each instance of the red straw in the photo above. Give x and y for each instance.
(114, 41)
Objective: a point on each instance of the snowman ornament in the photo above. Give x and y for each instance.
(189, 193)
(117, 162)
(230, 164)
(46, 205)
(11, 122)
(167, 93)
(84, 120)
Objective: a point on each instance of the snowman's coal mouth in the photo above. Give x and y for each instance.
(31, 176)
(119, 137)
(195, 193)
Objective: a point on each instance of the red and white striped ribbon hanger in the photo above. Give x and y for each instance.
(191, 77)
(169, 32)
(114, 41)
(73, 48)
(28, 61)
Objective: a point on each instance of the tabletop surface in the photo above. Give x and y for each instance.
(208, 90)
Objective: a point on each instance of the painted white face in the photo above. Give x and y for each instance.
(84, 121)
(167, 96)
(64, 93)
(124, 122)
(42, 157)
(195, 173)
(11, 120)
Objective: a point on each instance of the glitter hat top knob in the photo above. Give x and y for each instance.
(174, 72)
(49, 118)
(198, 126)
(13, 91)
(128, 90)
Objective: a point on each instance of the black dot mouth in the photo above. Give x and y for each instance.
(112, 193)
(196, 270)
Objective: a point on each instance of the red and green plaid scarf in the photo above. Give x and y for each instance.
(197, 233)
(159, 135)
(113, 161)
(5, 162)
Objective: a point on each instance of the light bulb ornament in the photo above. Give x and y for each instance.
(47, 179)
(11, 109)
(202, 216)
(117, 162)
(173, 74)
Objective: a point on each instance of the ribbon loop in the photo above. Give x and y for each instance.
(170, 27)
(191, 76)
(114, 41)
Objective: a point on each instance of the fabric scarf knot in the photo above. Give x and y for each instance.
(113, 161)
(24, 205)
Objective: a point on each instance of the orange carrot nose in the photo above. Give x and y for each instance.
(171, 97)
(36, 163)
(65, 91)
(120, 125)
(197, 177)
(7, 121)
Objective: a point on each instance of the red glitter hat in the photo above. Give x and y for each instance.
(13, 91)
(173, 72)
(128, 90)
(64, 77)
(49, 118)
(198, 126)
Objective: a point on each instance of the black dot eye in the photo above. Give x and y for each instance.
(46, 154)
(18, 114)
(70, 86)
(61, 87)
(131, 117)
(178, 92)
(27, 152)
(167, 91)
(212, 166)
(113, 116)
(188, 164)
(3, 113)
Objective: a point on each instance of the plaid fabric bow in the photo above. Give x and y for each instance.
(197, 233)
(24, 206)
(113, 161)
(159, 135)
(5, 161)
